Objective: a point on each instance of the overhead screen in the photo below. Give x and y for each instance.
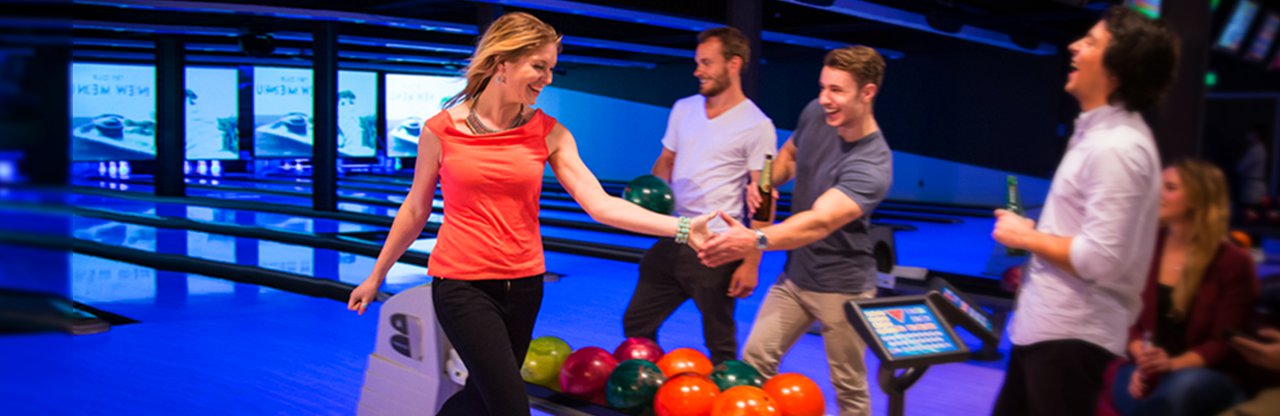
(1150, 8)
(282, 119)
(1241, 18)
(212, 106)
(411, 100)
(1266, 36)
(113, 112)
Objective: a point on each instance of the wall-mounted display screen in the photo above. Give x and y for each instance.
(357, 114)
(282, 119)
(282, 112)
(411, 100)
(113, 112)
(212, 106)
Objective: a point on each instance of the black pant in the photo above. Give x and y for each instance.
(671, 273)
(1062, 377)
(490, 323)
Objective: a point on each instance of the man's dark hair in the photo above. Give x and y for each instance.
(1142, 55)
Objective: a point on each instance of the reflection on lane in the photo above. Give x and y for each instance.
(288, 258)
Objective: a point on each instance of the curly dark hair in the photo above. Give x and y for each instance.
(1142, 55)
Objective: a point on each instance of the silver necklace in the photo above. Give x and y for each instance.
(478, 127)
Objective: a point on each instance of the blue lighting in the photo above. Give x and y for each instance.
(671, 22)
(606, 62)
(625, 46)
(897, 17)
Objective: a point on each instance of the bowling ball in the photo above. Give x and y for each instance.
(1011, 279)
(796, 395)
(733, 373)
(1251, 216)
(637, 348)
(543, 361)
(687, 394)
(586, 371)
(683, 360)
(745, 401)
(652, 193)
(1242, 239)
(632, 384)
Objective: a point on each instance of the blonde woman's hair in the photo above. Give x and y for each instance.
(507, 39)
(1205, 190)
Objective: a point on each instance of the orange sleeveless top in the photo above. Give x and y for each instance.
(491, 185)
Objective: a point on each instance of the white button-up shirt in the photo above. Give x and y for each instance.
(1106, 196)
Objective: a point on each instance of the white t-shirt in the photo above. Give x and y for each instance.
(714, 157)
(1105, 195)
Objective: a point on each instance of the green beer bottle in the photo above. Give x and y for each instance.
(1014, 205)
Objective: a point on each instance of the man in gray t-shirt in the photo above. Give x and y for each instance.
(862, 170)
(843, 169)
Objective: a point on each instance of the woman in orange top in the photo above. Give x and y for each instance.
(489, 153)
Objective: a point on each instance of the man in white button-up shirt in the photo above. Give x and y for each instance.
(1093, 244)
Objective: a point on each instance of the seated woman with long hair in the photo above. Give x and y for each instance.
(1200, 286)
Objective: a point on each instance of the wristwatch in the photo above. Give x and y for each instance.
(762, 241)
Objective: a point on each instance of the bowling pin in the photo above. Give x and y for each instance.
(112, 170)
(202, 168)
(186, 167)
(7, 171)
(102, 168)
(215, 168)
(124, 169)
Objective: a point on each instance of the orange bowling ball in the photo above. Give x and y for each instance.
(1242, 239)
(745, 401)
(687, 394)
(684, 360)
(796, 395)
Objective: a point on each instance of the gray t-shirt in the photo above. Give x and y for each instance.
(842, 262)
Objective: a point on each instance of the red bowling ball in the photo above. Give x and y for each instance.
(585, 373)
(637, 348)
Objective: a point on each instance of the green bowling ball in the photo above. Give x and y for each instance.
(632, 384)
(734, 373)
(543, 361)
(652, 193)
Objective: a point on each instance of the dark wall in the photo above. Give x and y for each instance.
(972, 104)
(35, 55)
(979, 105)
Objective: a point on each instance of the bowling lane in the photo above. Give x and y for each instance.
(563, 232)
(246, 196)
(962, 247)
(244, 348)
(223, 215)
(289, 258)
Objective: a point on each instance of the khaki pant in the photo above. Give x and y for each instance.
(1266, 402)
(784, 316)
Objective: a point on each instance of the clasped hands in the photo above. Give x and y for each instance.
(732, 244)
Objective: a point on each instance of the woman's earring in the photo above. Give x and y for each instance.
(502, 80)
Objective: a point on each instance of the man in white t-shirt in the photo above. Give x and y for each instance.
(714, 148)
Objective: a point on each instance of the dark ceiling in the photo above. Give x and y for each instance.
(1026, 22)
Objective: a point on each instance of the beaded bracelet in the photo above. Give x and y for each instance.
(682, 230)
